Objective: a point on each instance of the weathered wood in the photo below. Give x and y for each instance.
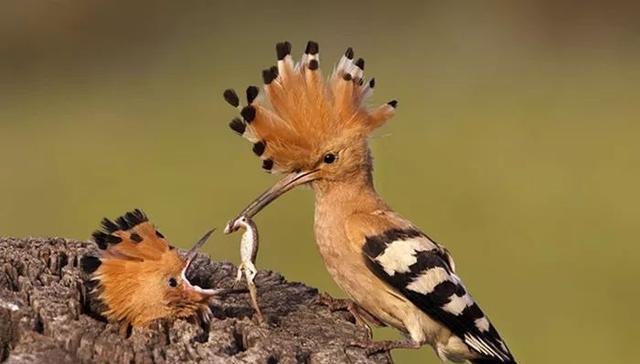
(47, 316)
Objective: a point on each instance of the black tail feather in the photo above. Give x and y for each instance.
(492, 361)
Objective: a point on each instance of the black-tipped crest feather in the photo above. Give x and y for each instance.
(267, 164)
(125, 222)
(268, 76)
(131, 219)
(109, 226)
(248, 113)
(283, 49)
(349, 53)
(252, 93)
(238, 125)
(312, 48)
(90, 263)
(103, 240)
(258, 148)
(231, 97)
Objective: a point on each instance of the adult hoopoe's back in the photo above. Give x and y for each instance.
(139, 277)
(316, 132)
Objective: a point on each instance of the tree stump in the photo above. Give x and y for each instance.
(48, 316)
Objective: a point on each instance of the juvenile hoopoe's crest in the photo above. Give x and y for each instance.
(299, 120)
(140, 277)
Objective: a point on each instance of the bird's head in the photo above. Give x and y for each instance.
(140, 277)
(310, 129)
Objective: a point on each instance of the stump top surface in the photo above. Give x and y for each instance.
(48, 315)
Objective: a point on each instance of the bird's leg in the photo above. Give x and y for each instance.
(344, 304)
(334, 304)
(373, 347)
(361, 315)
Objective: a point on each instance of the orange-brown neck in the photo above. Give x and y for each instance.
(336, 200)
(336, 204)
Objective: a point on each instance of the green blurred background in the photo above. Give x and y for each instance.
(515, 142)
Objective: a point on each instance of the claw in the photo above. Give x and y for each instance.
(361, 316)
(373, 347)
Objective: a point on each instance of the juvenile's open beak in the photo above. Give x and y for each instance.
(285, 184)
(190, 257)
(194, 250)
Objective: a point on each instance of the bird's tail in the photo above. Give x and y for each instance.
(493, 361)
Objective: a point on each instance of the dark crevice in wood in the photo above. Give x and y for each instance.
(303, 357)
(38, 325)
(238, 340)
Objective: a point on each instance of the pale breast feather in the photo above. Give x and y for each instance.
(423, 272)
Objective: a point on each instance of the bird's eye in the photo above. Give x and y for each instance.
(329, 158)
(173, 282)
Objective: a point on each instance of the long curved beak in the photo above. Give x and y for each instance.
(285, 184)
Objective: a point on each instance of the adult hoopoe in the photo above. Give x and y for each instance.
(140, 277)
(316, 132)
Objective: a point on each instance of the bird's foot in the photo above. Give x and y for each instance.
(373, 347)
(335, 304)
(361, 316)
(343, 304)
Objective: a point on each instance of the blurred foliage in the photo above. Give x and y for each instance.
(515, 143)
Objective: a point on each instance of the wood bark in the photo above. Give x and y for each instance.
(48, 316)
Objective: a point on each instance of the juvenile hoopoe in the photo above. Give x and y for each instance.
(139, 277)
(316, 133)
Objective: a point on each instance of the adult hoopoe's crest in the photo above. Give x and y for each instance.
(139, 277)
(316, 131)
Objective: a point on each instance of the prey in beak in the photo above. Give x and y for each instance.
(248, 254)
(287, 183)
(249, 242)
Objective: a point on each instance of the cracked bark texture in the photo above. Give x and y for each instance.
(47, 316)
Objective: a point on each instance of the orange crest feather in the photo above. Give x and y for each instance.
(299, 114)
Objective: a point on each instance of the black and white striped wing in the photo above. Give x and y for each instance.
(424, 272)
